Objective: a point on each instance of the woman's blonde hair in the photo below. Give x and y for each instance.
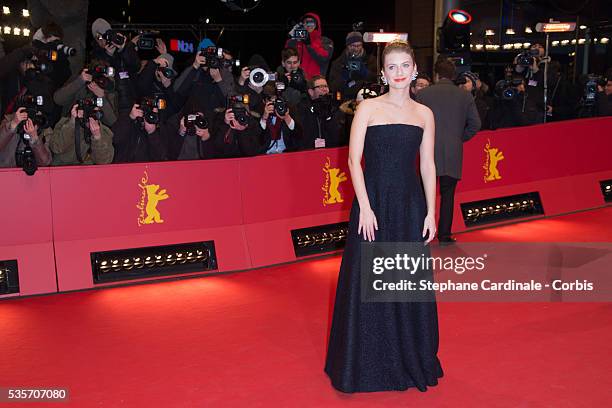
(398, 46)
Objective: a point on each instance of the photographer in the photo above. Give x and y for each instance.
(90, 83)
(114, 48)
(202, 82)
(603, 100)
(508, 106)
(188, 134)
(563, 96)
(293, 76)
(353, 68)
(421, 82)
(13, 131)
(156, 80)
(236, 131)
(320, 123)
(48, 41)
(315, 51)
(95, 139)
(530, 65)
(137, 137)
(279, 127)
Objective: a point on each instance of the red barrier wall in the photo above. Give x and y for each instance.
(249, 206)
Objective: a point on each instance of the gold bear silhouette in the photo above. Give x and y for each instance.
(494, 157)
(153, 197)
(335, 180)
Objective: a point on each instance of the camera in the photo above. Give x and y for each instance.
(353, 63)
(238, 104)
(148, 105)
(63, 49)
(147, 39)
(101, 75)
(91, 108)
(259, 77)
(193, 121)
(113, 37)
(372, 90)
(299, 32)
(167, 72)
(506, 89)
(527, 58)
(590, 88)
(33, 105)
(25, 158)
(322, 106)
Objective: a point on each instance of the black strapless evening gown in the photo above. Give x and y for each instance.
(390, 345)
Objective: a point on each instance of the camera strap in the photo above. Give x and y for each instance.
(77, 142)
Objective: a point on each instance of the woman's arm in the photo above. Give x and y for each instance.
(367, 219)
(428, 172)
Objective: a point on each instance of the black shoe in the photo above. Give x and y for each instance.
(447, 241)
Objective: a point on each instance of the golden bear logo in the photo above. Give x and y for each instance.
(149, 198)
(333, 178)
(494, 156)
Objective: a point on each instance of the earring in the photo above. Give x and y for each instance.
(415, 74)
(384, 80)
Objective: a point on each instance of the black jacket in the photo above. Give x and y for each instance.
(310, 126)
(229, 142)
(133, 144)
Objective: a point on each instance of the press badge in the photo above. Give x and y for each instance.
(532, 83)
(124, 75)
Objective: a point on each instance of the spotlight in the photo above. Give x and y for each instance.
(528, 30)
(316, 240)
(555, 43)
(605, 40)
(6, 10)
(26, 32)
(583, 27)
(510, 31)
(564, 42)
(455, 32)
(153, 261)
(489, 33)
(7, 30)
(375, 37)
(25, 13)
(16, 31)
(501, 209)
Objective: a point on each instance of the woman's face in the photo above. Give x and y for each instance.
(398, 69)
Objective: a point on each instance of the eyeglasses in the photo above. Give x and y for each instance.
(321, 86)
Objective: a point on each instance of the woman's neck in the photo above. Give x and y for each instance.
(399, 96)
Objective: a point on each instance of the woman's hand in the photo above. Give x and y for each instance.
(367, 223)
(429, 225)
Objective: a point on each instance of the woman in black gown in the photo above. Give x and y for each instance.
(383, 346)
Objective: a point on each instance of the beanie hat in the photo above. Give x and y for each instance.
(353, 37)
(205, 43)
(100, 26)
(168, 58)
(469, 75)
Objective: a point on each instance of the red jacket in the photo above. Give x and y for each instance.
(315, 55)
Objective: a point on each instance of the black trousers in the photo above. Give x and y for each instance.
(447, 203)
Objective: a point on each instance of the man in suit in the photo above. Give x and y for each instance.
(457, 121)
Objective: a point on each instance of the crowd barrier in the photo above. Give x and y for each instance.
(54, 220)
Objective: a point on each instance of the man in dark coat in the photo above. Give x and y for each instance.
(457, 121)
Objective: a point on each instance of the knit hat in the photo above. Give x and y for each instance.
(205, 43)
(168, 58)
(353, 37)
(100, 26)
(469, 75)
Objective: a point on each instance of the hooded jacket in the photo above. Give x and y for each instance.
(316, 53)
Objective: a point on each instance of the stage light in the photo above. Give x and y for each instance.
(7, 30)
(460, 16)
(606, 190)
(581, 41)
(605, 40)
(573, 42)
(16, 31)
(153, 261)
(26, 32)
(510, 31)
(501, 209)
(489, 33)
(321, 239)
(555, 43)
(518, 45)
(583, 27)
(479, 46)
(507, 46)
(528, 30)
(526, 45)
(454, 35)
(564, 42)
(25, 13)
(6, 10)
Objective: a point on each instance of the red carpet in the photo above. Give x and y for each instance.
(258, 339)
